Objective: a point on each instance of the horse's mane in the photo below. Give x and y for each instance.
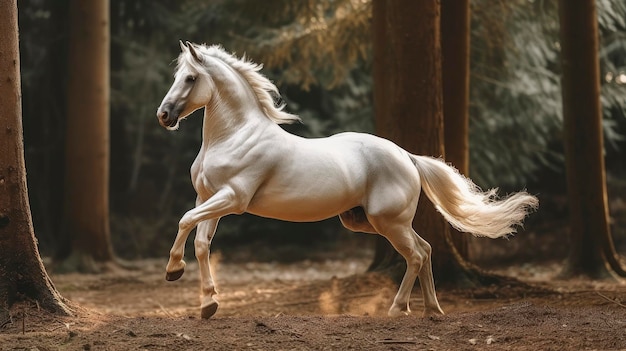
(262, 87)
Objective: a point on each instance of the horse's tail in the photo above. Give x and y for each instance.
(465, 206)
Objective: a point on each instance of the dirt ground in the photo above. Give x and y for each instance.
(318, 305)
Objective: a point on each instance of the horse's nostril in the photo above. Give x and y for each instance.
(163, 115)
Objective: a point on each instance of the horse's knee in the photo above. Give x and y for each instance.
(186, 223)
(201, 249)
(427, 248)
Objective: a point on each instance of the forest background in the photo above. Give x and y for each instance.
(319, 54)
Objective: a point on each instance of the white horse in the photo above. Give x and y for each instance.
(247, 163)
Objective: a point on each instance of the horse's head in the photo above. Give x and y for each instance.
(190, 90)
(210, 75)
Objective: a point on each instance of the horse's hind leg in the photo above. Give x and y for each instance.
(416, 251)
(427, 282)
(202, 245)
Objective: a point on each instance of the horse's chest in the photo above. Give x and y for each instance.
(207, 180)
(211, 172)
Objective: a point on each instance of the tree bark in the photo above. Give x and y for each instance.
(22, 274)
(86, 210)
(592, 252)
(455, 50)
(408, 107)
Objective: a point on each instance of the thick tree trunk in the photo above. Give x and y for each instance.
(592, 252)
(86, 210)
(22, 274)
(408, 106)
(455, 50)
(409, 111)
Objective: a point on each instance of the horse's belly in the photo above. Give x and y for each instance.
(296, 208)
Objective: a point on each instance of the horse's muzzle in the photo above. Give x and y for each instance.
(165, 118)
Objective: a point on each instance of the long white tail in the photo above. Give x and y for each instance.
(465, 206)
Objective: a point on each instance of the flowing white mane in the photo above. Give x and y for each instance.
(260, 85)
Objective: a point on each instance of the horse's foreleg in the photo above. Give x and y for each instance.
(202, 244)
(222, 203)
(176, 265)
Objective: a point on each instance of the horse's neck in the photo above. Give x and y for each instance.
(223, 122)
(234, 112)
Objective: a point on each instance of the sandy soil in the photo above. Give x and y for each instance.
(325, 305)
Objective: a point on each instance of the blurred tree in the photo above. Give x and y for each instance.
(22, 274)
(86, 203)
(408, 108)
(455, 69)
(592, 251)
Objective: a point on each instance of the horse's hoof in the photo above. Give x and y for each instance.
(432, 312)
(171, 276)
(397, 312)
(209, 310)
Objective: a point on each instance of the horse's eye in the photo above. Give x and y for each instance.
(190, 79)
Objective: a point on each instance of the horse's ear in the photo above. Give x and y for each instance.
(194, 53)
(183, 47)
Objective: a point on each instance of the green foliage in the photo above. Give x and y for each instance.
(516, 93)
(612, 22)
(325, 40)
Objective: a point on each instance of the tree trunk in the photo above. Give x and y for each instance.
(409, 110)
(86, 210)
(592, 252)
(22, 274)
(455, 52)
(408, 107)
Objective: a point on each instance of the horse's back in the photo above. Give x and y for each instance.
(375, 153)
(320, 178)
